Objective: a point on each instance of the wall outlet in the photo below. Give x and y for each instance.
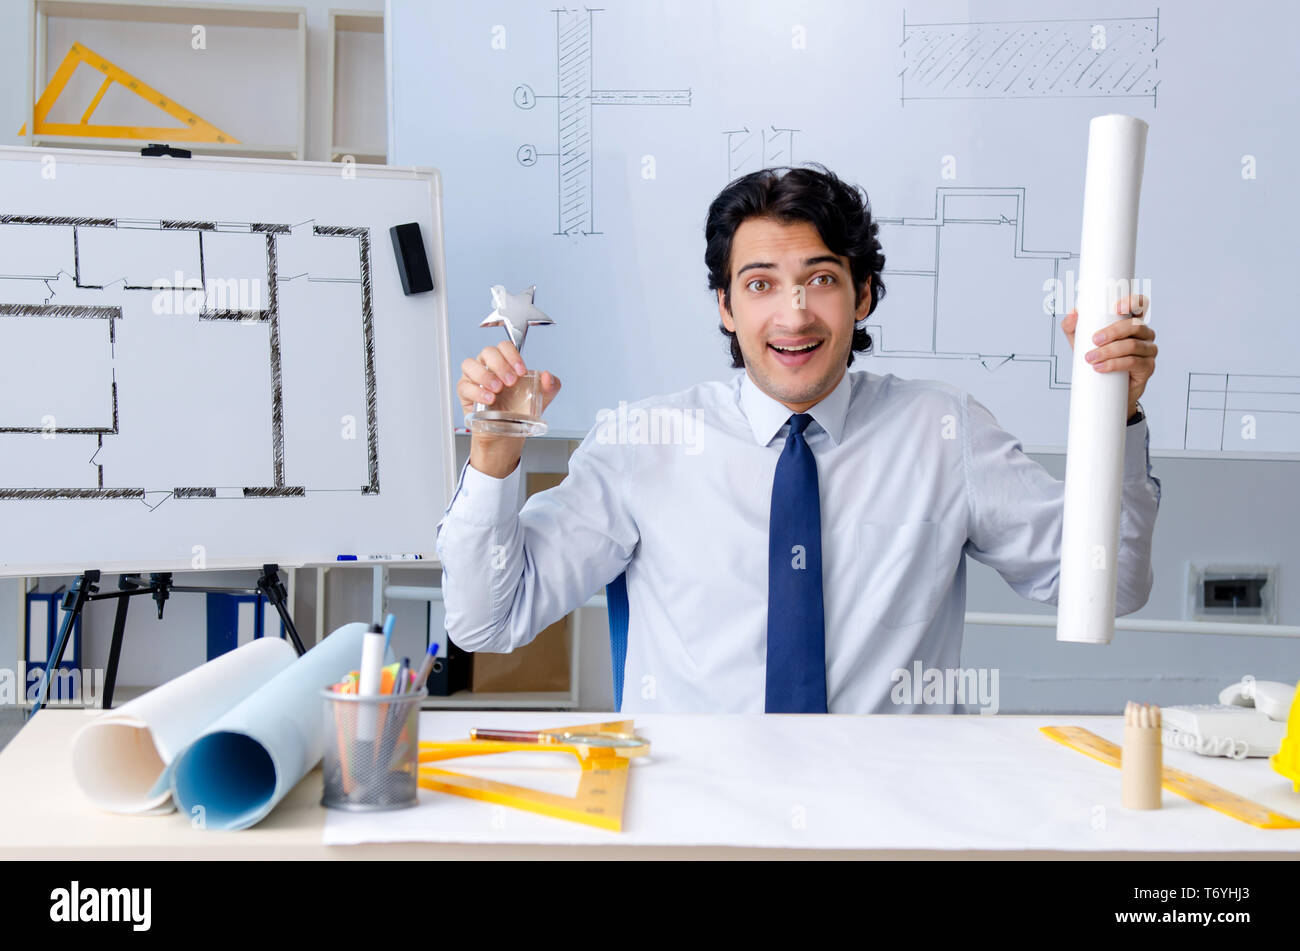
(1245, 593)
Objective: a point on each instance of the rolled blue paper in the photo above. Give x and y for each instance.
(247, 761)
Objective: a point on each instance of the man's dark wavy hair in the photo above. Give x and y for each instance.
(840, 212)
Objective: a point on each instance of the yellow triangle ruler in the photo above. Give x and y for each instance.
(602, 785)
(1176, 781)
(192, 129)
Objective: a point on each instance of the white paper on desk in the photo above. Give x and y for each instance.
(119, 757)
(842, 782)
(247, 761)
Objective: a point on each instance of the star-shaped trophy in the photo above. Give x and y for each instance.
(517, 409)
(516, 312)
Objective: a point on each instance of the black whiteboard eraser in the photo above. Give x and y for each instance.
(412, 262)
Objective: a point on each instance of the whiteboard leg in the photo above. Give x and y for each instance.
(322, 578)
(378, 580)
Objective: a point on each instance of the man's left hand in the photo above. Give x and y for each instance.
(1127, 344)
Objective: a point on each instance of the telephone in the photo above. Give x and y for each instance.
(1249, 720)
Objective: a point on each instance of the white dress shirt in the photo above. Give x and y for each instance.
(913, 476)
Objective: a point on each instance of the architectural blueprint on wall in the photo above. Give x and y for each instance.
(587, 142)
(185, 386)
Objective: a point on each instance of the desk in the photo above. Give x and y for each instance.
(43, 814)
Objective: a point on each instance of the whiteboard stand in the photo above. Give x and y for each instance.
(160, 587)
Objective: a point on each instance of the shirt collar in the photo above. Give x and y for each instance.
(766, 416)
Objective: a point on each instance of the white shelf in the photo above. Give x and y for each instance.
(248, 77)
(165, 11)
(468, 700)
(354, 85)
(460, 700)
(362, 155)
(281, 151)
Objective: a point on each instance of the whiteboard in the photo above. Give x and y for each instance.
(582, 149)
(210, 363)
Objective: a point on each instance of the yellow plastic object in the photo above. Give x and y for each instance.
(1175, 780)
(193, 128)
(602, 786)
(1287, 759)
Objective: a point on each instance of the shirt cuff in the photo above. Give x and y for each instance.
(482, 499)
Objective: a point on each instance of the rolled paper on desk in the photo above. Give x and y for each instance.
(119, 757)
(246, 762)
(1094, 468)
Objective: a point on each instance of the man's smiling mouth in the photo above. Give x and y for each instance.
(795, 353)
(799, 349)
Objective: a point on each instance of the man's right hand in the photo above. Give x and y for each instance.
(481, 379)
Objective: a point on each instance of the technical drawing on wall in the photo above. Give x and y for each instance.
(121, 324)
(1030, 59)
(937, 313)
(750, 151)
(575, 98)
(1247, 412)
(927, 106)
(994, 307)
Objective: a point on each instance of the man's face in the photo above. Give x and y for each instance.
(792, 310)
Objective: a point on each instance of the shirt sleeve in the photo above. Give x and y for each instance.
(1017, 509)
(507, 574)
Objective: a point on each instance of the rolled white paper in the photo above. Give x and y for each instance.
(1094, 469)
(119, 757)
(246, 762)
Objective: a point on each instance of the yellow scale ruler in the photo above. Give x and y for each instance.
(602, 786)
(1176, 781)
(193, 129)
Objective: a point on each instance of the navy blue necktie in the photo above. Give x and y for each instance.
(796, 622)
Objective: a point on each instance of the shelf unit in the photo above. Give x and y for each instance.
(383, 591)
(355, 55)
(104, 27)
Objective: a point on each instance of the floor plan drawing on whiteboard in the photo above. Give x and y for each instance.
(1105, 57)
(123, 334)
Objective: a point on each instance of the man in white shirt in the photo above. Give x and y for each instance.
(795, 536)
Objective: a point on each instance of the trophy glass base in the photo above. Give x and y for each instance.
(516, 410)
(492, 423)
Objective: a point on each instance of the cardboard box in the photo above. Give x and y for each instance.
(542, 665)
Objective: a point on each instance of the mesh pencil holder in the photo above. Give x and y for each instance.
(372, 745)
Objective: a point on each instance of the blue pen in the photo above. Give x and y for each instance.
(389, 622)
(380, 558)
(393, 715)
(426, 668)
